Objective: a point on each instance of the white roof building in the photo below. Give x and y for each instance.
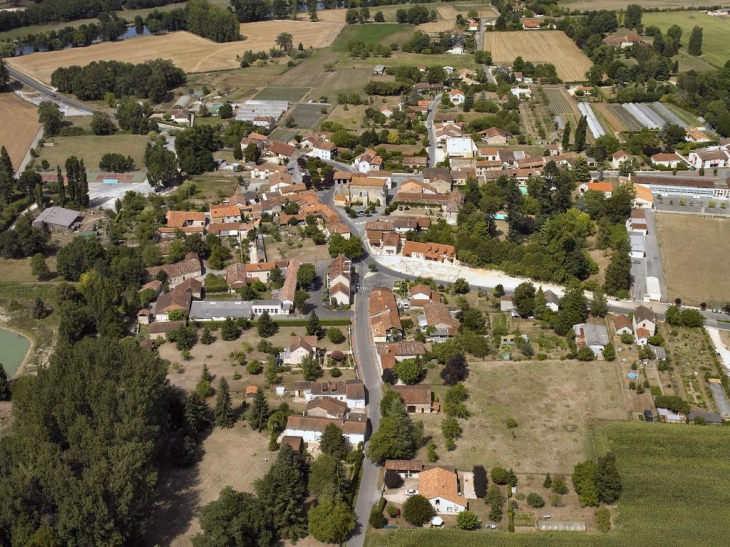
(461, 147)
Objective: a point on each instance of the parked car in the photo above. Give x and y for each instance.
(411, 492)
(491, 526)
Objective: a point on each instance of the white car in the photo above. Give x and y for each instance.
(491, 526)
(411, 492)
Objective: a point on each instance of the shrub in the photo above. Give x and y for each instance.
(466, 520)
(392, 511)
(337, 356)
(335, 335)
(499, 475)
(335, 372)
(603, 519)
(480, 481)
(548, 482)
(559, 486)
(393, 480)
(535, 500)
(417, 510)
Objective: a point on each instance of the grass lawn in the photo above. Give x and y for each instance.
(552, 402)
(212, 186)
(676, 492)
(380, 33)
(91, 148)
(714, 36)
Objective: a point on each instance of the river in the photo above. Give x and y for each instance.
(13, 349)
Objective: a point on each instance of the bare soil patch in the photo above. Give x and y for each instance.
(540, 47)
(690, 249)
(19, 122)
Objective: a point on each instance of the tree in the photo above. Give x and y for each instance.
(599, 303)
(480, 481)
(455, 370)
(162, 171)
(312, 5)
(197, 414)
(223, 405)
(39, 268)
(524, 298)
(695, 42)
(608, 480)
(499, 475)
(692, 318)
(417, 510)
(283, 491)
(379, 17)
(207, 337)
(352, 248)
(609, 353)
(300, 300)
(310, 368)
(559, 486)
(409, 371)
(327, 478)
(235, 518)
(585, 354)
(454, 401)
(633, 15)
(451, 429)
(460, 286)
(335, 335)
(4, 387)
(674, 316)
(101, 124)
(229, 330)
(39, 309)
(397, 437)
(580, 134)
(548, 482)
(333, 442)
(50, 117)
(498, 291)
(331, 522)
(237, 152)
(306, 274)
(535, 500)
(496, 500)
(252, 154)
(466, 520)
(566, 137)
(258, 416)
(285, 41)
(266, 326)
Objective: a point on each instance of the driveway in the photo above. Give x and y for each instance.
(651, 265)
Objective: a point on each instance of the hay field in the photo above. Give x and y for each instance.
(188, 51)
(540, 46)
(19, 122)
(692, 250)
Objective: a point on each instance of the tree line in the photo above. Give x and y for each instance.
(151, 79)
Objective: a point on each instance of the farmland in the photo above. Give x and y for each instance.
(19, 122)
(188, 51)
(690, 249)
(307, 115)
(585, 5)
(540, 47)
(558, 102)
(291, 94)
(627, 120)
(672, 476)
(714, 37)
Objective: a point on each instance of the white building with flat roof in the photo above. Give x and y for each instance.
(653, 290)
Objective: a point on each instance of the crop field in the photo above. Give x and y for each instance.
(19, 122)
(307, 115)
(382, 33)
(676, 492)
(558, 102)
(552, 402)
(544, 46)
(627, 120)
(714, 36)
(188, 51)
(291, 94)
(691, 247)
(92, 148)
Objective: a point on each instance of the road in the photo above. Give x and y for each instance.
(431, 133)
(651, 265)
(52, 95)
(480, 35)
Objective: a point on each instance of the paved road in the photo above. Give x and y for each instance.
(27, 157)
(30, 82)
(431, 134)
(651, 265)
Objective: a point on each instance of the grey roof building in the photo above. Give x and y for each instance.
(57, 218)
(219, 310)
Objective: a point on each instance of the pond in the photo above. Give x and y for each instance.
(13, 349)
(131, 32)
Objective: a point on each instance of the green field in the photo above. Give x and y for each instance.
(676, 482)
(370, 34)
(715, 32)
(291, 94)
(92, 148)
(307, 115)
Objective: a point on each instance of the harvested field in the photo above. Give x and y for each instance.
(691, 247)
(188, 51)
(19, 120)
(544, 46)
(307, 115)
(291, 94)
(351, 118)
(552, 402)
(446, 20)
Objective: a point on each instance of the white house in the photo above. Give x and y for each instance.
(552, 300)
(441, 488)
(461, 147)
(311, 428)
(323, 150)
(352, 393)
(619, 157)
(300, 347)
(368, 161)
(644, 318)
(708, 158)
(623, 325)
(670, 417)
(457, 96)
(667, 160)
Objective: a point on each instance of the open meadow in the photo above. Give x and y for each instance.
(552, 401)
(692, 248)
(544, 46)
(188, 51)
(714, 34)
(92, 148)
(676, 492)
(19, 122)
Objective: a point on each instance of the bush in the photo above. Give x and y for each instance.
(603, 519)
(393, 479)
(480, 481)
(335, 372)
(559, 486)
(417, 510)
(499, 475)
(466, 520)
(335, 335)
(392, 511)
(535, 500)
(337, 356)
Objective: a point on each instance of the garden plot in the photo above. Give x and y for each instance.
(307, 115)
(644, 115)
(667, 114)
(624, 117)
(557, 101)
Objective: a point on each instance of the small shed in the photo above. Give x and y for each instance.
(296, 443)
(379, 70)
(251, 391)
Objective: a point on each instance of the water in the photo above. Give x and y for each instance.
(13, 349)
(130, 33)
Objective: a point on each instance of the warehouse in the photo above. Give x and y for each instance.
(58, 219)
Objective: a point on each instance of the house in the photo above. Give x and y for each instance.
(710, 418)
(605, 188)
(262, 270)
(352, 392)
(506, 304)
(422, 295)
(644, 198)
(237, 277)
(415, 162)
(337, 227)
(255, 138)
(368, 161)
(645, 318)
(326, 407)
(58, 219)
(386, 110)
(143, 316)
(267, 122)
(413, 186)
(440, 487)
(295, 443)
(642, 336)
(404, 224)
(282, 150)
(160, 330)
(531, 24)
(390, 244)
(286, 295)
(708, 159)
(368, 190)
(439, 178)
(552, 300)
(591, 336)
(181, 116)
(434, 252)
(155, 286)
(416, 398)
(324, 150)
(667, 160)
(618, 159)
(225, 213)
(299, 348)
(461, 147)
(623, 325)
(495, 135)
(695, 135)
(395, 352)
(385, 325)
(406, 469)
(192, 286)
(457, 96)
(438, 321)
(190, 222)
(220, 310)
(669, 417)
(311, 428)
(637, 222)
(172, 301)
(339, 278)
(178, 272)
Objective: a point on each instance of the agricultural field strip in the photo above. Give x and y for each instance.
(624, 117)
(667, 114)
(557, 102)
(593, 124)
(641, 117)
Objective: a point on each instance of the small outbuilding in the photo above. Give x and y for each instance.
(58, 219)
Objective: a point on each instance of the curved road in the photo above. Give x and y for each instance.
(41, 88)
